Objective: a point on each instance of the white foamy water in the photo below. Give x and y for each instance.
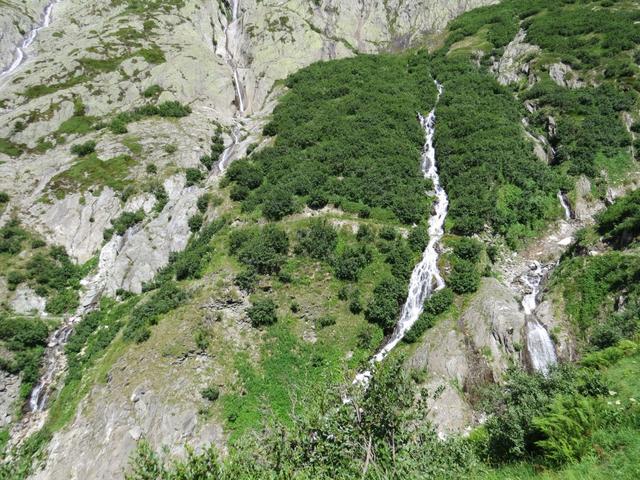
(229, 49)
(20, 55)
(568, 214)
(426, 277)
(542, 352)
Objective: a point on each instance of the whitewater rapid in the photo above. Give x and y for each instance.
(426, 277)
(20, 55)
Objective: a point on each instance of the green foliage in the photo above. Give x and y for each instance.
(262, 313)
(464, 277)
(26, 339)
(349, 263)
(211, 393)
(84, 149)
(566, 429)
(419, 237)
(152, 91)
(467, 249)
(486, 165)
(163, 300)
(439, 302)
(12, 237)
(195, 222)
(4, 197)
(90, 171)
(263, 249)
(425, 321)
(278, 203)
(247, 279)
(382, 434)
(318, 240)
(193, 176)
(512, 431)
(124, 222)
(620, 223)
(384, 308)
(340, 137)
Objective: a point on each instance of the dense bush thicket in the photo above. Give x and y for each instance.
(620, 223)
(169, 109)
(486, 164)
(263, 249)
(345, 131)
(25, 339)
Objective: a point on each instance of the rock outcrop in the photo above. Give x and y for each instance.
(461, 355)
(86, 67)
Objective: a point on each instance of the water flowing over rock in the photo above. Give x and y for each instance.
(20, 54)
(426, 277)
(540, 349)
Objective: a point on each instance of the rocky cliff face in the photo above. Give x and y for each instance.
(98, 59)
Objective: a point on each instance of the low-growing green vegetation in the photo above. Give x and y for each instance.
(343, 139)
(90, 171)
(23, 341)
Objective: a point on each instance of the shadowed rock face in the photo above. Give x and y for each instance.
(459, 356)
(84, 55)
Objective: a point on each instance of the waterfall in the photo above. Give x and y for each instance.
(568, 213)
(232, 33)
(425, 278)
(21, 55)
(542, 353)
(226, 154)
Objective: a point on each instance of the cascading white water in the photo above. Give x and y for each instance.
(568, 214)
(226, 154)
(425, 278)
(232, 33)
(21, 55)
(542, 353)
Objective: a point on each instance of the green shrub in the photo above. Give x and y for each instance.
(173, 109)
(12, 237)
(439, 302)
(15, 278)
(124, 222)
(193, 176)
(152, 91)
(203, 202)
(263, 249)
(349, 263)
(467, 249)
(277, 203)
(211, 393)
(247, 279)
(384, 308)
(4, 197)
(84, 149)
(162, 301)
(419, 237)
(195, 222)
(262, 313)
(63, 301)
(326, 321)
(464, 277)
(318, 240)
(425, 321)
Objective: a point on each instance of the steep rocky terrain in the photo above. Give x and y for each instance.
(98, 59)
(164, 201)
